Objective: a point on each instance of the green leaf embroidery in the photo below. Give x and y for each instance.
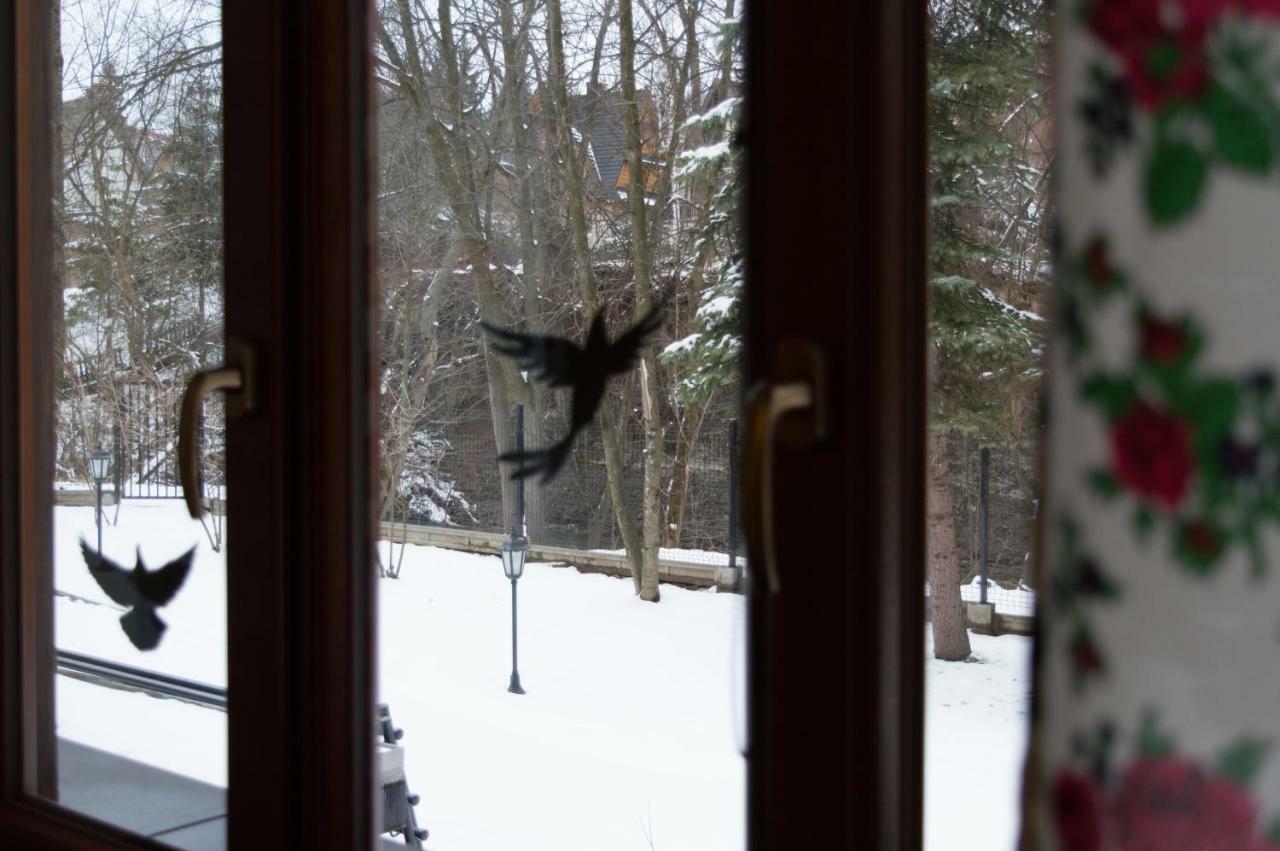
(1114, 395)
(1144, 520)
(1243, 760)
(1174, 181)
(1240, 134)
(1273, 832)
(1152, 742)
(1212, 406)
(1104, 483)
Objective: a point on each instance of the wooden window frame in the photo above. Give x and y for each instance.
(837, 138)
(835, 674)
(300, 769)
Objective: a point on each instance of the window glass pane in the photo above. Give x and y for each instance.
(989, 167)
(543, 168)
(140, 691)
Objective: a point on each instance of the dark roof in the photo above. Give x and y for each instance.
(603, 111)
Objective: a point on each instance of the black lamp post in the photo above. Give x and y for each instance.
(514, 547)
(99, 464)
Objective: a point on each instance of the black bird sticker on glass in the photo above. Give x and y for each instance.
(141, 589)
(558, 362)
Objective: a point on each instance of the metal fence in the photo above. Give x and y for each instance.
(456, 481)
(453, 478)
(144, 436)
(994, 503)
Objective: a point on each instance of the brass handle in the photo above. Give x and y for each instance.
(236, 377)
(767, 403)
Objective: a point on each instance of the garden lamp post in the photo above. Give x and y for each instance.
(99, 463)
(514, 548)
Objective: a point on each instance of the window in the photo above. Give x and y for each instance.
(833, 687)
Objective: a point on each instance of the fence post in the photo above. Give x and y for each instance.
(984, 470)
(733, 496)
(520, 524)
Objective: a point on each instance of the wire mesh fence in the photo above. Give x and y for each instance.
(1003, 517)
(454, 479)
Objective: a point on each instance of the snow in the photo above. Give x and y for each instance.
(713, 151)
(682, 345)
(686, 555)
(977, 715)
(631, 726)
(722, 111)
(1009, 601)
(690, 161)
(1009, 308)
(632, 721)
(717, 306)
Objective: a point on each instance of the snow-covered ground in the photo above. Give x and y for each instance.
(628, 738)
(976, 725)
(1009, 601)
(688, 555)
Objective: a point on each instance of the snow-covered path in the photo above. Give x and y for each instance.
(629, 735)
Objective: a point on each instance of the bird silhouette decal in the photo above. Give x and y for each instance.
(558, 362)
(141, 589)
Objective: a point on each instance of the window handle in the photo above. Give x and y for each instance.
(235, 377)
(790, 410)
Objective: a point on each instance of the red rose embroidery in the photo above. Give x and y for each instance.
(1161, 44)
(1152, 454)
(1202, 539)
(1261, 8)
(1167, 804)
(1085, 658)
(1228, 816)
(1155, 808)
(1163, 342)
(1077, 811)
(1098, 265)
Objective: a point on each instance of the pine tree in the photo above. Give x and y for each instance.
(988, 173)
(189, 197)
(714, 171)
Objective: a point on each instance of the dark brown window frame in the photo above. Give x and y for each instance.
(835, 678)
(296, 80)
(836, 135)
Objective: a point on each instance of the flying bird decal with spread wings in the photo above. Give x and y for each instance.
(141, 589)
(558, 362)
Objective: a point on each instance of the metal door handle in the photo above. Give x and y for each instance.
(767, 403)
(235, 377)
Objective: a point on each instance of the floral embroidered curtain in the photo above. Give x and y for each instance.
(1158, 680)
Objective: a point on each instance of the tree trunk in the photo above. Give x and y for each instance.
(515, 46)
(950, 631)
(455, 161)
(642, 262)
(610, 431)
(686, 437)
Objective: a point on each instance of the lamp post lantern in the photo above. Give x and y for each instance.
(99, 464)
(514, 548)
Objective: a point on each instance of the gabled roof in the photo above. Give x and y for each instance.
(601, 113)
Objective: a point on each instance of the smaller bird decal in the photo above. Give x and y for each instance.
(587, 369)
(140, 589)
